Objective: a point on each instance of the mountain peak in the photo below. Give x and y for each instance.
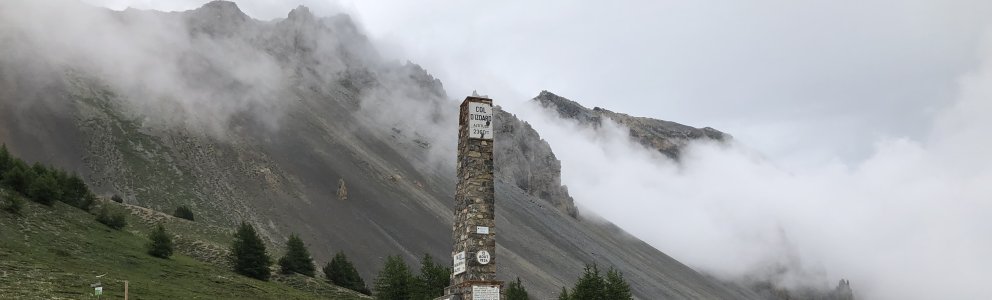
(566, 108)
(217, 18)
(223, 9)
(665, 136)
(300, 13)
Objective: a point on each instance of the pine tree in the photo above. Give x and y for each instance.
(161, 244)
(395, 282)
(75, 192)
(616, 286)
(39, 169)
(45, 189)
(19, 177)
(433, 279)
(516, 291)
(342, 273)
(297, 258)
(564, 294)
(590, 286)
(248, 253)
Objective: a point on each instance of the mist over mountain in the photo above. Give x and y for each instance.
(300, 124)
(266, 121)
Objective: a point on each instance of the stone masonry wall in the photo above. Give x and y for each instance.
(474, 202)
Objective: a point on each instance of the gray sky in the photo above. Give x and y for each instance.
(799, 81)
(862, 126)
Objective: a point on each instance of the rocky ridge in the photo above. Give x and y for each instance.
(664, 136)
(323, 111)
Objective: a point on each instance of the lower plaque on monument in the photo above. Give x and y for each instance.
(485, 292)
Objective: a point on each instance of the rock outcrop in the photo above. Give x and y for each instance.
(526, 161)
(665, 136)
(293, 104)
(342, 190)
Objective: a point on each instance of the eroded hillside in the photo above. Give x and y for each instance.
(261, 121)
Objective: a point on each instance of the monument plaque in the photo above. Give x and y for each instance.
(480, 120)
(459, 260)
(485, 292)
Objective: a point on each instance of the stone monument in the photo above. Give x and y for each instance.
(474, 230)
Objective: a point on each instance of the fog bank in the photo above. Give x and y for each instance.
(909, 222)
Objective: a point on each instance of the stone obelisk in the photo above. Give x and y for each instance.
(474, 230)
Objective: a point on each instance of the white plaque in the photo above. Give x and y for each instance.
(483, 257)
(459, 266)
(483, 292)
(480, 120)
(482, 229)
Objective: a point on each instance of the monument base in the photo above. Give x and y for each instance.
(474, 290)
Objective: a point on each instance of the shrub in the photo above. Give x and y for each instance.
(14, 204)
(183, 212)
(342, 273)
(297, 258)
(161, 244)
(6, 161)
(248, 253)
(115, 220)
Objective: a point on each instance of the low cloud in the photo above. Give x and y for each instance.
(909, 222)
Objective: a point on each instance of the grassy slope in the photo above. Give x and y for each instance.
(56, 252)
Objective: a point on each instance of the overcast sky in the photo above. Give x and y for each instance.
(800, 81)
(874, 116)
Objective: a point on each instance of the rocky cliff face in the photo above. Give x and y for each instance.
(527, 162)
(265, 121)
(665, 136)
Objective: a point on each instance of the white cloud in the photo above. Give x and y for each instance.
(909, 222)
(882, 177)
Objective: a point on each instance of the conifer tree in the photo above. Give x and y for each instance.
(75, 192)
(395, 282)
(616, 286)
(248, 253)
(297, 258)
(39, 169)
(590, 286)
(161, 244)
(433, 279)
(45, 189)
(564, 294)
(341, 272)
(516, 291)
(19, 177)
